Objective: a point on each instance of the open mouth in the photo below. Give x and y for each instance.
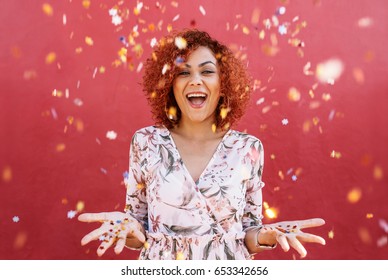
(196, 99)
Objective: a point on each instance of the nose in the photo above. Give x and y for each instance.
(196, 80)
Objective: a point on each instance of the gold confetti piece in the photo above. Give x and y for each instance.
(378, 173)
(48, 9)
(20, 240)
(80, 206)
(364, 235)
(214, 128)
(224, 112)
(78, 50)
(293, 94)
(140, 186)
(245, 30)
(64, 201)
(169, 28)
(369, 56)
(331, 234)
(262, 35)
(172, 113)
(79, 125)
(269, 50)
(166, 67)
(30, 75)
(329, 71)
(175, 4)
(180, 43)
(271, 213)
(281, 175)
(101, 69)
(60, 147)
(326, 96)
(255, 18)
(57, 93)
(369, 215)
(335, 154)
(146, 245)
(180, 256)
(358, 75)
(354, 195)
(86, 4)
(7, 174)
(89, 41)
(306, 126)
(51, 57)
(16, 52)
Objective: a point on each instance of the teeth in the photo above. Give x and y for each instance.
(196, 95)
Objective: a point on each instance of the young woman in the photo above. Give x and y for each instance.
(194, 186)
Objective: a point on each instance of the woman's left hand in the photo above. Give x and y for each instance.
(289, 233)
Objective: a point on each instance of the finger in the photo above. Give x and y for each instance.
(282, 240)
(94, 217)
(294, 243)
(138, 234)
(121, 239)
(316, 222)
(94, 235)
(307, 237)
(105, 245)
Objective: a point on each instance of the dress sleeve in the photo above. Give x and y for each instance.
(136, 198)
(253, 208)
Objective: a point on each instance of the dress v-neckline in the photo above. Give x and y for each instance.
(210, 162)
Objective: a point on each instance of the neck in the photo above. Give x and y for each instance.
(196, 130)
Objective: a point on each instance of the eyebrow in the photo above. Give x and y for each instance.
(202, 64)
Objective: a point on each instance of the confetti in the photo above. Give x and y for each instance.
(329, 71)
(331, 234)
(255, 18)
(89, 41)
(7, 174)
(172, 113)
(51, 57)
(294, 178)
(175, 18)
(202, 10)
(358, 75)
(16, 219)
(78, 102)
(80, 206)
(294, 94)
(282, 29)
(180, 256)
(335, 154)
(60, 147)
(71, 214)
(378, 173)
(48, 9)
(20, 240)
(166, 67)
(384, 225)
(382, 241)
(86, 4)
(365, 22)
(284, 121)
(281, 11)
(354, 195)
(111, 135)
(180, 43)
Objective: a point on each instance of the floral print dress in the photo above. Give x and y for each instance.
(198, 220)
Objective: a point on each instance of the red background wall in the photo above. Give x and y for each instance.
(57, 109)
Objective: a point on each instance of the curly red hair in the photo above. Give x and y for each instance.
(162, 67)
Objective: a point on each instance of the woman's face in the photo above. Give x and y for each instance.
(197, 86)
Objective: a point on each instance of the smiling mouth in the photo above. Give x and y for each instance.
(196, 99)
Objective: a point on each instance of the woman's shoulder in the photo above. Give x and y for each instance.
(244, 136)
(149, 132)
